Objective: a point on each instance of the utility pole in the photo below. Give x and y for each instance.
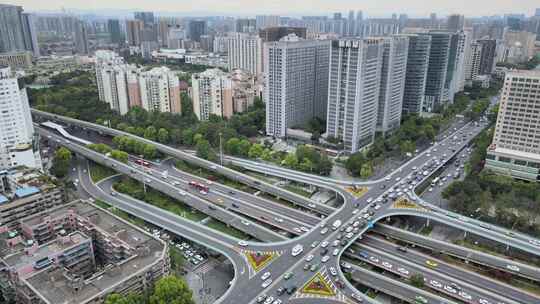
(220, 150)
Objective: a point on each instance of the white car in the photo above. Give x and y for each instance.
(246, 223)
(435, 283)
(369, 200)
(374, 259)
(266, 283)
(269, 300)
(335, 243)
(325, 259)
(304, 229)
(324, 244)
(349, 235)
(333, 271)
(403, 271)
(387, 265)
(534, 242)
(266, 275)
(355, 211)
(335, 252)
(484, 301)
(513, 268)
(278, 219)
(309, 258)
(465, 295)
(450, 289)
(242, 243)
(377, 207)
(324, 230)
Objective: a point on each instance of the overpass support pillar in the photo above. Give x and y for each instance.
(428, 222)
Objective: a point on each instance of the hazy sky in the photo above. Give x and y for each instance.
(295, 7)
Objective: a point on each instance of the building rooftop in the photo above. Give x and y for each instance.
(26, 191)
(51, 283)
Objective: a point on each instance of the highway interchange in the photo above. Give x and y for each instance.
(277, 216)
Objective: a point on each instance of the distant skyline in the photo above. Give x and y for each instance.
(376, 8)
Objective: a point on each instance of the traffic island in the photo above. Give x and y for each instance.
(357, 191)
(258, 260)
(318, 286)
(403, 202)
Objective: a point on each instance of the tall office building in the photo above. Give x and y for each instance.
(439, 54)
(353, 91)
(30, 34)
(519, 46)
(163, 32)
(473, 63)
(417, 67)
(146, 17)
(515, 150)
(80, 38)
(462, 39)
(245, 52)
(212, 94)
(134, 30)
(455, 23)
(16, 128)
(394, 68)
(264, 21)
(246, 25)
(11, 28)
(17, 30)
(488, 56)
(197, 28)
(113, 26)
(296, 82)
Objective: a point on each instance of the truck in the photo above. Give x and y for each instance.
(336, 224)
(297, 249)
(165, 174)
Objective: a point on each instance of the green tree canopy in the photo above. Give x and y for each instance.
(171, 290)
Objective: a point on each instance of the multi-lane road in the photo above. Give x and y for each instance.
(348, 213)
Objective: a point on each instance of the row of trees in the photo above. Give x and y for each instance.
(113, 153)
(130, 145)
(167, 290)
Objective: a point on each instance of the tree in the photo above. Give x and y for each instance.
(171, 290)
(354, 163)
(266, 155)
(232, 146)
(290, 161)
(149, 151)
(407, 146)
(366, 170)
(256, 151)
(325, 165)
(163, 136)
(417, 280)
(120, 156)
(204, 150)
(150, 133)
(243, 147)
(60, 164)
(131, 298)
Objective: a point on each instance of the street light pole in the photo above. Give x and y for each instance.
(220, 150)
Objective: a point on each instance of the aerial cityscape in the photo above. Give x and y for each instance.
(272, 152)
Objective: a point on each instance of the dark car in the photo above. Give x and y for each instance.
(291, 290)
(324, 251)
(235, 205)
(280, 291)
